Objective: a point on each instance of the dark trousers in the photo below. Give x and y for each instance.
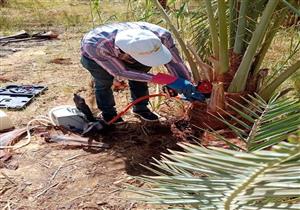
(103, 83)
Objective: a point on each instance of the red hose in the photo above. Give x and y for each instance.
(132, 104)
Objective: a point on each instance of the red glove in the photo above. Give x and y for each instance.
(163, 79)
(180, 85)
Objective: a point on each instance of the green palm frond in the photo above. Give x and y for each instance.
(266, 123)
(253, 14)
(204, 35)
(201, 38)
(181, 42)
(216, 179)
(292, 5)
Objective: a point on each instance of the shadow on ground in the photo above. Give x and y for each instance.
(138, 143)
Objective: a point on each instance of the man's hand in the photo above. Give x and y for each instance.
(119, 85)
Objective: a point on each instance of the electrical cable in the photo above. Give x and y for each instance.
(46, 120)
(28, 129)
(132, 104)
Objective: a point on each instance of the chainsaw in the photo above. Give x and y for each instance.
(203, 87)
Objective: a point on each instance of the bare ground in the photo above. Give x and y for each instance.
(48, 176)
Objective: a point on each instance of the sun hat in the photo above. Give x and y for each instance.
(144, 46)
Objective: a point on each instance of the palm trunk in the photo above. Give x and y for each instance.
(217, 99)
(268, 91)
(241, 28)
(239, 81)
(223, 36)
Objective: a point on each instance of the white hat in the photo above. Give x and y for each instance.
(144, 46)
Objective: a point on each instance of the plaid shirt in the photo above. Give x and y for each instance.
(99, 46)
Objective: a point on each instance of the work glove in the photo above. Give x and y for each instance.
(180, 85)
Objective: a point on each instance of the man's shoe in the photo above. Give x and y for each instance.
(146, 115)
(108, 118)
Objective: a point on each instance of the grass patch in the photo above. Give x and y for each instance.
(34, 15)
(286, 44)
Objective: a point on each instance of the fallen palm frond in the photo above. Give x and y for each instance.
(200, 178)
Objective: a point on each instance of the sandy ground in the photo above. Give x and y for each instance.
(48, 176)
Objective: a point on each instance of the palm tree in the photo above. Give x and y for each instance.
(240, 34)
(245, 33)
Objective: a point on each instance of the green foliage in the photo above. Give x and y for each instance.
(183, 46)
(239, 81)
(250, 31)
(200, 34)
(223, 37)
(215, 178)
(292, 54)
(270, 88)
(265, 123)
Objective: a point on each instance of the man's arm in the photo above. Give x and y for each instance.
(116, 68)
(176, 66)
(106, 59)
